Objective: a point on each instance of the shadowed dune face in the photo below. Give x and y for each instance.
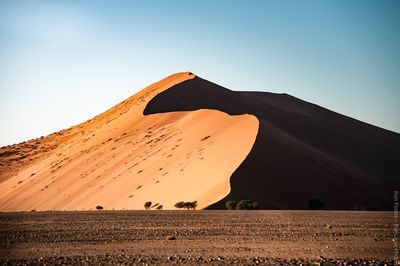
(121, 159)
(302, 151)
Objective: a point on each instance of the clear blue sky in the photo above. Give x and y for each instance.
(62, 62)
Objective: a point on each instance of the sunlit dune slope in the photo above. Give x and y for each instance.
(122, 158)
(302, 150)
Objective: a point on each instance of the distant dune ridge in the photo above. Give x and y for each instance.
(184, 139)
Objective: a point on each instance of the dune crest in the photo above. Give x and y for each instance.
(123, 158)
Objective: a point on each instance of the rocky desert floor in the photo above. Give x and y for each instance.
(197, 237)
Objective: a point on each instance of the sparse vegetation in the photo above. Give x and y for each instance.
(191, 205)
(159, 207)
(315, 204)
(242, 205)
(180, 205)
(188, 205)
(231, 205)
(245, 205)
(256, 205)
(99, 208)
(147, 205)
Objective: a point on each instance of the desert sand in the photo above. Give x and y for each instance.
(122, 158)
(187, 139)
(201, 237)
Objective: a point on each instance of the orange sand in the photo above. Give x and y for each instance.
(121, 159)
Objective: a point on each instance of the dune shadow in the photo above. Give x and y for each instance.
(301, 151)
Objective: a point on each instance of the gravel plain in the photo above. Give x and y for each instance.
(197, 237)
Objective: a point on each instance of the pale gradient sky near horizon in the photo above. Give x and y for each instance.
(63, 62)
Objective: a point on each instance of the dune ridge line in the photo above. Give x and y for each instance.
(123, 158)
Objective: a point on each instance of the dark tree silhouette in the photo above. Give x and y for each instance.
(180, 205)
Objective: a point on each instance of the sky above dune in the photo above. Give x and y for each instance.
(62, 62)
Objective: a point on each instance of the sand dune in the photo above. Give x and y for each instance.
(121, 159)
(302, 150)
(184, 139)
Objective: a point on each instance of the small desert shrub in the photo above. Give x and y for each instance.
(315, 204)
(256, 205)
(245, 205)
(180, 205)
(159, 207)
(193, 204)
(242, 205)
(188, 205)
(99, 208)
(147, 205)
(231, 205)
